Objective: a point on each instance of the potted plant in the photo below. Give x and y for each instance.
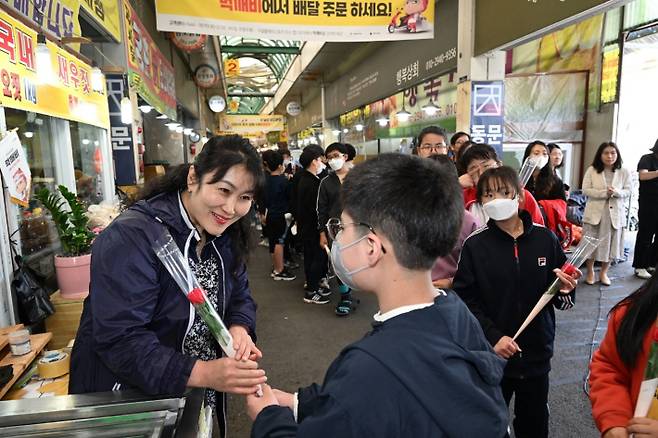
(73, 265)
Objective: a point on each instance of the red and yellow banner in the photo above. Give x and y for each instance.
(67, 95)
(305, 20)
(149, 71)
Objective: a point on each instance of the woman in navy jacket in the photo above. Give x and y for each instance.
(138, 329)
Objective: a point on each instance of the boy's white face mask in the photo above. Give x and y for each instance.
(501, 209)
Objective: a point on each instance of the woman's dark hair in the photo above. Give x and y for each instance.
(455, 137)
(640, 315)
(218, 155)
(597, 163)
(497, 177)
(550, 147)
(546, 180)
(430, 130)
(340, 147)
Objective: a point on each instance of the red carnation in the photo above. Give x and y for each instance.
(569, 269)
(196, 296)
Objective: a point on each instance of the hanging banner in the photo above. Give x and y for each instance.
(237, 124)
(67, 95)
(105, 13)
(121, 134)
(610, 74)
(487, 114)
(232, 68)
(305, 20)
(57, 18)
(149, 72)
(15, 169)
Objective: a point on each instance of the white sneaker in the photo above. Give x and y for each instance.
(651, 270)
(642, 273)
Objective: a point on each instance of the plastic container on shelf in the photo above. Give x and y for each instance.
(19, 341)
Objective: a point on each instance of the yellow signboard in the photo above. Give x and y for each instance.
(318, 20)
(232, 68)
(58, 18)
(67, 95)
(609, 75)
(106, 14)
(239, 124)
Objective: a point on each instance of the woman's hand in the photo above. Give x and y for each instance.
(256, 404)
(284, 398)
(569, 282)
(643, 428)
(506, 347)
(227, 375)
(616, 432)
(243, 344)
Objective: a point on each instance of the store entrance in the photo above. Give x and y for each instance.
(637, 129)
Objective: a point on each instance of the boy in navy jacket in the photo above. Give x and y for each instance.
(426, 369)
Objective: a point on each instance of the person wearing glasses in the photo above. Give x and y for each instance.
(476, 160)
(426, 369)
(431, 141)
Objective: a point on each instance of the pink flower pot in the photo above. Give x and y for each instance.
(73, 276)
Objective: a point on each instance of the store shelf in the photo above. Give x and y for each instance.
(21, 363)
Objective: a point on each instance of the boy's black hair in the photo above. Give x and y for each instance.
(272, 159)
(310, 153)
(597, 163)
(497, 177)
(455, 137)
(284, 152)
(421, 227)
(479, 151)
(351, 151)
(431, 130)
(340, 147)
(640, 316)
(445, 162)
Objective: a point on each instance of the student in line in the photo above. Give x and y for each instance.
(504, 269)
(617, 368)
(426, 369)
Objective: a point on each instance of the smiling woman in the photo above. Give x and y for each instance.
(137, 329)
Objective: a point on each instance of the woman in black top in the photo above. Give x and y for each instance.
(544, 183)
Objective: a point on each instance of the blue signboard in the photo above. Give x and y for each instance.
(488, 114)
(123, 148)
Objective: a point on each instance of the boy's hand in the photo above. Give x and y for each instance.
(616, 432)
(284, 398)
(569, 282)
(506, 347)
(643, 427)
(256, 404)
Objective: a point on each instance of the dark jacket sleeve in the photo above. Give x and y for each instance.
(466, 286)
(242, 307)
(124, 295)
(323, 204)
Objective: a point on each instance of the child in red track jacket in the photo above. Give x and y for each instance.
(617, 369)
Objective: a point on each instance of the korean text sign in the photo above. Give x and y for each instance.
(487, 114)
(67, 95)
(15, 169)
(149, 71)
(305, 20)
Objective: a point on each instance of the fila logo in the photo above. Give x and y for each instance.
(541, 261)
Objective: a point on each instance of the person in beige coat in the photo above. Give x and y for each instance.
(608, 187)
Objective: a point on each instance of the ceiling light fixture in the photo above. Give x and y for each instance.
(430, 109)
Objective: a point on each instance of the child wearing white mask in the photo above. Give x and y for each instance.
(504, 269)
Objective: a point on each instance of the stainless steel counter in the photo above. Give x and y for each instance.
(109, 414)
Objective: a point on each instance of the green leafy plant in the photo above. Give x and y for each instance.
(71, 224)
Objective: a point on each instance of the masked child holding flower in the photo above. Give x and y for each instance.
(617, 368)
(504, 268)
